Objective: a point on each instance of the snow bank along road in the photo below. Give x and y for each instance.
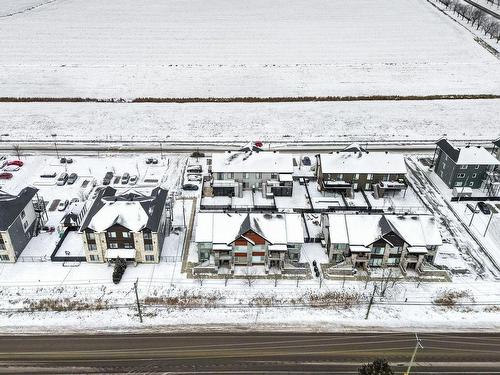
(452, 353)
(254, 48)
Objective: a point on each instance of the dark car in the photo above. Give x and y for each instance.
(72, 178)
(5, 176)
(107, 178)
(18, 163)
(484, 208)
(151, 161)
(69, 160)
(306, 161)
(63, 160)
(189, 187)
(125, 178)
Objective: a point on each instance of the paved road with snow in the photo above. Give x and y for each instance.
(245, 352)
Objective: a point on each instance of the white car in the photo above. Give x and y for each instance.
(194, 177)
(11, 168)
(62, 205)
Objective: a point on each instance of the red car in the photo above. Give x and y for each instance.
(19, 163)
(5, 176)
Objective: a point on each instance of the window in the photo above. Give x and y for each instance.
(246, 175)
(375, 262)
(230, 176)
(458, 184)
(25, 225)
(258, 175)
(340, 176)
(220, 176)
(474, 175)
(274, 176)
(2, 246)
(367, 187)
(150, 258)
(386, 177)
(93, 258)
(369, 176)
(125, 234)
(112, 234)
(147, 235)
(463, 167)
(113, 245)
(92, 246)
(393, 261)
(127, 245)
(356, 176)
(378, 250)
(23, 214)
(461, 175)
(477, 166)
(148, 247)
(91, 236)
(471, 183)
(4, 258)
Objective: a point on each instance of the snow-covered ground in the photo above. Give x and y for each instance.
(326, 121)
(222, 48)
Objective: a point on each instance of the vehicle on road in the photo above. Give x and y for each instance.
(6, 176)
(63, 178)
(125, 178)
(11, 168)
(151, 161)
(72, 178)
(484, 208)
(133, 180)
(191, 187)
(194, 177)
(19, 163)
(62, 205)
(48, 175)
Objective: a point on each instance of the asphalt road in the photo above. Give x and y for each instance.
(248, 352)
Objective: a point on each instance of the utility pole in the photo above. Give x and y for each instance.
(371, 302)
(137, 300)
(417, 345)
(473, 213)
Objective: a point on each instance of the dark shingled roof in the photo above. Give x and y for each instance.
(448, 149)
(153, 205)
(12, 205)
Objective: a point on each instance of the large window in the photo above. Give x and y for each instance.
(112, 234)
(148, 247)
(92, 246)
(91, 236)
(113, 245)
(461, 175)
(93, 258)
(375, 262)
(147, 235)
(23, 214)
(4, 258)
(150, 258)
(126, 235)
(378, 250)
(463, 167)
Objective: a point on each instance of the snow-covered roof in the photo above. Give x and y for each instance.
(224, 228)
(362, 162)
(363, 230)
(476, 155)
(257, 162)
(131, 215)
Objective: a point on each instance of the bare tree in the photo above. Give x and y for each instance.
(249, 276)
(17, 150)
(389, 280)
(200, 277)
(490, 27)
(477, 17)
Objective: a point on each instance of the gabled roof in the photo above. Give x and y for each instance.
(12, 205)
(224, 228)
(252, 162)
(132, 210)
(364, 230)
(468, 155)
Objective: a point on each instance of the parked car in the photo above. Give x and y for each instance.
(11, 168)
(69, 160)
(62, 160)
(19, 163)
(194, 177)
(63, 178)
(72, 178)
(190, 187)
(155, 161)
(306, 161)
(116, 180)
(74, 200)
(133, 180)
(484, 208)
(6, 176)
(194, 169)
(62, 205)
(151, 161)
(107, 178)
(125, 178)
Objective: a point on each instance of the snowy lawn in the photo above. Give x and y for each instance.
(224, 48)
(365, 121)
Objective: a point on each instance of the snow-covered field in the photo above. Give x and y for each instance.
(320, 121)
(225, 48)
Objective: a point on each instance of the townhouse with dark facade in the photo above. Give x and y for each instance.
(405, 241)
(233, 172)
(226, 240)
(463, 166)
(130, 225)
(354, 169)
(21, 218)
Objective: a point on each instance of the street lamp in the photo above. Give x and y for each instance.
(55, 144)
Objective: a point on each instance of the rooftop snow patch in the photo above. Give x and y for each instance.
(131, 215)
(256, 162)
(362, 162)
